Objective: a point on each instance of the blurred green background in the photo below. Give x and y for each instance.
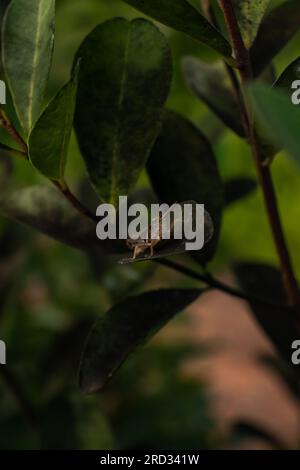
(51, 294)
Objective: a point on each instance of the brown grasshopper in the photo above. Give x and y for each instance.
(141, 245)
(154, 236)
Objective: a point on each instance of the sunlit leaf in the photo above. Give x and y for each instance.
(50, 137)
(27, 45)
(250, 14)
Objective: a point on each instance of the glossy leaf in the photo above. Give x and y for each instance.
(182, 167)
(123, 328)
(45, 210)
(237, 189)
(5, 150)
(120, 100)
(208, 83)
(265, 282)
(3, 6)
(278, 117)
(250, 14)
(27, 46)
(50, 137)
(180, 15)
(277, 29)
(288, 76)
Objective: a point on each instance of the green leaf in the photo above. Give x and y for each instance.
(44, 209)
(237, 189)
(124, 81)
(278, 117)
(124, 327)
(27, 46)
(276, 30)
(265, 282)
(50, 137)
(288, 76)
(180, 15)
(249, 14)
(5, 150)
(268, 147)
(6, 168)
(3, 6)
(208, 83)
(182, 167)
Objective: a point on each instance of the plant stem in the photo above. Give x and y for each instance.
(66, 192)
(210, 281)
(206, 5)
(245, 69)
(6, 124)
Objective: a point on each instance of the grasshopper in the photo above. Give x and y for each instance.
(141, 245)
(162, 235)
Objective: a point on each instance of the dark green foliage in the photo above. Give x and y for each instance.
(277, 29)
(291, 73)
(182, 166)
(49, 156)
(180, 15)
(27, 69)
(143, 135)
(125, 327)
(250, 14)
(120, 98)
(208, 83)
(279, 323)
(237, 189)
(269, 106)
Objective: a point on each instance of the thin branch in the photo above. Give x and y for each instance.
(67, 193)
(214, 283)
(264, 174)
(7, 125)
(63, 188)
(209, 12)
